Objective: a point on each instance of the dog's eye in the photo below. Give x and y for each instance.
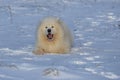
(52, 26)
(46, 27)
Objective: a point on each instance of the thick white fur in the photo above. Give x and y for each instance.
(62, 41)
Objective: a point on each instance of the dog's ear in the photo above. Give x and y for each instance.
(59, 21)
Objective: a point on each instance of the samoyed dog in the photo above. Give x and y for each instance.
(53, 36)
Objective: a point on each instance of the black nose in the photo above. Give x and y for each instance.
(49, 30)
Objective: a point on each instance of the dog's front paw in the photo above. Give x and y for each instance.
(38, 52)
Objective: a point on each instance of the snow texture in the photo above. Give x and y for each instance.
(94, 56)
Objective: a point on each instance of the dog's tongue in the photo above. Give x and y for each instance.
(50, 36)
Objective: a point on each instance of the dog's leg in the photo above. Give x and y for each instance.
(39, 51)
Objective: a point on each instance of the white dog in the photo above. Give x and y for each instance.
(53, 36)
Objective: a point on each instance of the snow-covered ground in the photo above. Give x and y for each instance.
(96, 51)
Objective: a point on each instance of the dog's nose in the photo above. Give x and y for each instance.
(49, 30)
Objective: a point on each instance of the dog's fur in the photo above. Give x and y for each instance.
(60, 39)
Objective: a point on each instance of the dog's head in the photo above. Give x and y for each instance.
(51, 29)
(50, 32)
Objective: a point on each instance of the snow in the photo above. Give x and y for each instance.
(94, 56)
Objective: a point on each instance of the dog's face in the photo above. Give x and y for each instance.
(50, 32)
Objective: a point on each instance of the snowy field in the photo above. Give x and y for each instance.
(96, 51)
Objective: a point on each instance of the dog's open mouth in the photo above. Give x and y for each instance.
(50, 36)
